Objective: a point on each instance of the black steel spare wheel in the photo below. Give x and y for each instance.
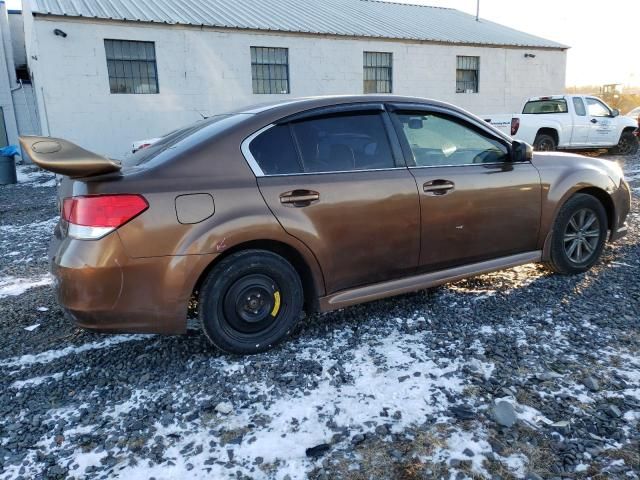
(250, 301)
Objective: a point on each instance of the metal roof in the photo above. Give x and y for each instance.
(358, 18)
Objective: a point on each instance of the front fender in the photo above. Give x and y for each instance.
(563, 175)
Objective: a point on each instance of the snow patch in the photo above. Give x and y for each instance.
(50, 355)
(27, 175)
(12, 286)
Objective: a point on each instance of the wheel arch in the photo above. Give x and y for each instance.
(605, 199)
(600, 194)
(552, 132)
(310, 283)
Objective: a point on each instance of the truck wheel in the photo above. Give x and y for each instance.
(578, 235)
(250, 301)
(628, 144)
(544, 143)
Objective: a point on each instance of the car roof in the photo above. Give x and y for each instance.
(304, 103)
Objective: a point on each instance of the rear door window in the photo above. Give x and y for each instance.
(541, 107)
(275, 152)
(343, 143)
(578, 104)
(335, 143)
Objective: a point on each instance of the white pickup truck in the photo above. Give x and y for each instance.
(570, 122)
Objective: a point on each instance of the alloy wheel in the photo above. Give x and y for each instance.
(581, 236)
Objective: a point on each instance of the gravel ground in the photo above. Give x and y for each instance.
(515, 374)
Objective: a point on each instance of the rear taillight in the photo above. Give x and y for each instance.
(95, 216)
(515, 126)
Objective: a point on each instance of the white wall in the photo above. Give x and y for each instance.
(209, 71)
(26, 110)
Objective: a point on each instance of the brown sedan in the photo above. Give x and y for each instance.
(313, 204)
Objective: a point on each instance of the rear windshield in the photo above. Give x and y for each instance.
(170, 139)
(540, 107)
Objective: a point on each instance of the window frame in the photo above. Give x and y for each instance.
(376, 67)
(451, 115)
(269, 80)
(477, 70)
(333, 110)
(154, 61)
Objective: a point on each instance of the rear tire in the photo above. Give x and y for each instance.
(578, 235)
(627, 145)
(250, 302)
(545, 143)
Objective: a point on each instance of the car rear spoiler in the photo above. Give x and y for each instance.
(66, 158)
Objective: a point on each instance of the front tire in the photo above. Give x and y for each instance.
(544, 143)
(250, 301)
(578, 235)
(628, 144)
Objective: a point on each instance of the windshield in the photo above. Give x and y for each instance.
(539, 107)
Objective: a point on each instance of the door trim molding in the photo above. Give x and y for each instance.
(346, 298)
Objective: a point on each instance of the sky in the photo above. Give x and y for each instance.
(604, 35)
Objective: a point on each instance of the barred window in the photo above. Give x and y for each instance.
(131, 66)
(378, 72)
(468, 74)
(270, 70)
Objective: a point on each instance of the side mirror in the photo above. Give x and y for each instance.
(615, 112)
(521, 151)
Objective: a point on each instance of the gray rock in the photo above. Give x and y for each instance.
(591, 383)
(613, 411)
(504, 413)
(224, 407)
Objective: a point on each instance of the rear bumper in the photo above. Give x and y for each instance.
(102, 288)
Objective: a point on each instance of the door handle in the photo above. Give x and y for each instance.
(438, 187)
(593, 120)
(299, 198)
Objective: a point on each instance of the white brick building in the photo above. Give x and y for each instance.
(199, 60)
